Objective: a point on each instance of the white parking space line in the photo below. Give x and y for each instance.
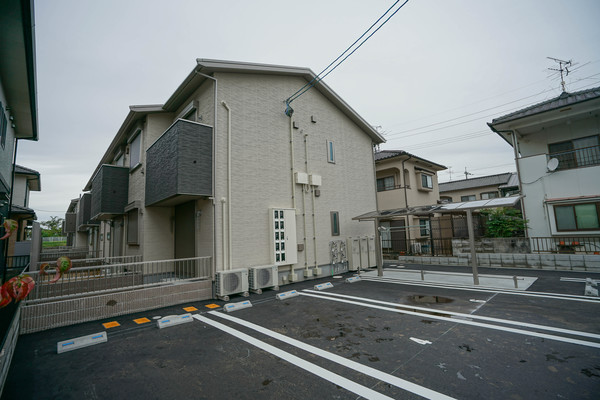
(375, 373)
(558, 296)
(297, 361)
(461, 321)
(463, 315)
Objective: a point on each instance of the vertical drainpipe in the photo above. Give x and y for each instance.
(292, 171)
(229, 238)
(312, 196)
(304, 203)
(516, 151)
(214, 171)
(408, 223)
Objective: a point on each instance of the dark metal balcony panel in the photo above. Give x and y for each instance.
(70, 223)
(179, 165)
(84, 212)
(110, 187)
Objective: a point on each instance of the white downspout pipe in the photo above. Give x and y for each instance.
(223, 237)
(292, 163)
(229, 230)
(304, 187)
(312, 196)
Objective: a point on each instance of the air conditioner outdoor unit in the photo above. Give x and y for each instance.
(264, 276)
(232, 282)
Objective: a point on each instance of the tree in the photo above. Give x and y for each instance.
(52, 227)
(504, 222)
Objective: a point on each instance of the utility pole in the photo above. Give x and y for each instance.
(467, 173)
(563, 68)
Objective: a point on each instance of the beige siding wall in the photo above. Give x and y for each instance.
(261, 162)
(391, 199)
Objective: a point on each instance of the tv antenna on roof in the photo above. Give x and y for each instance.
(563, 66)
(467, 173)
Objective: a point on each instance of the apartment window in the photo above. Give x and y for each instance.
(335, 223)
(120, 160)
(3, 125)
(426, 181)
(470, 197)
(577, 217)
(386, 183)
(424, 227)
(133, 226)
(330, 152)
(576, 153)
(135, 150)
(489, 195)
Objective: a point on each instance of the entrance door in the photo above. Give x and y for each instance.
(185, 230)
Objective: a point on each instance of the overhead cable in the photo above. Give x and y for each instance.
(322, 74)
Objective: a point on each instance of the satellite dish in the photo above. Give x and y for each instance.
(552, 164)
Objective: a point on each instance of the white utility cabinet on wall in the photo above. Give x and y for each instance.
(284, 250)
(353, 253)
(372, 252)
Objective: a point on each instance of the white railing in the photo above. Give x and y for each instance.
(83, 281)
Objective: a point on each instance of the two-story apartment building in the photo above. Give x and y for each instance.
(220, 170)
(18, 101)
(480, 188)
(405, 180)
(557, 152)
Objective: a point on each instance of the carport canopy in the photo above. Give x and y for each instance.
(464, 206)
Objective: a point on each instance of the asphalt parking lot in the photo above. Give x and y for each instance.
(373, 339)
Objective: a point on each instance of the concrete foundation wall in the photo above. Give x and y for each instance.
(557, 262)
(40, 317)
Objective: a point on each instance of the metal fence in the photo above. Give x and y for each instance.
(84, 281)
(566, 244)
(53, 253)
(92, 262)
(392, 248)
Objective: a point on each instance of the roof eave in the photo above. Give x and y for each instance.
(209, 67)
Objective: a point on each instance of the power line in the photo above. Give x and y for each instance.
(478, 118)
(320, 76)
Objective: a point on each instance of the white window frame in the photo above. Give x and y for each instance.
(331, 151)
(136, 140)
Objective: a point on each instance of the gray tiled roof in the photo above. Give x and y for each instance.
(563, 100)
(385, 154)
(498, 179)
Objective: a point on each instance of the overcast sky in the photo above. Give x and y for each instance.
(430, 78)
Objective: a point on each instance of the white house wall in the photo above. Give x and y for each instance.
(539, 184)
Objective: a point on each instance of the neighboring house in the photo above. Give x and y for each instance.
(233, 177)
(405, 180)
(558, 161)
(26, 180)
(18, 102)
(480, 188)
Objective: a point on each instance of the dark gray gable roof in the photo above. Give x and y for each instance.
(498, 179)
(385, 154)
(565, 99)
